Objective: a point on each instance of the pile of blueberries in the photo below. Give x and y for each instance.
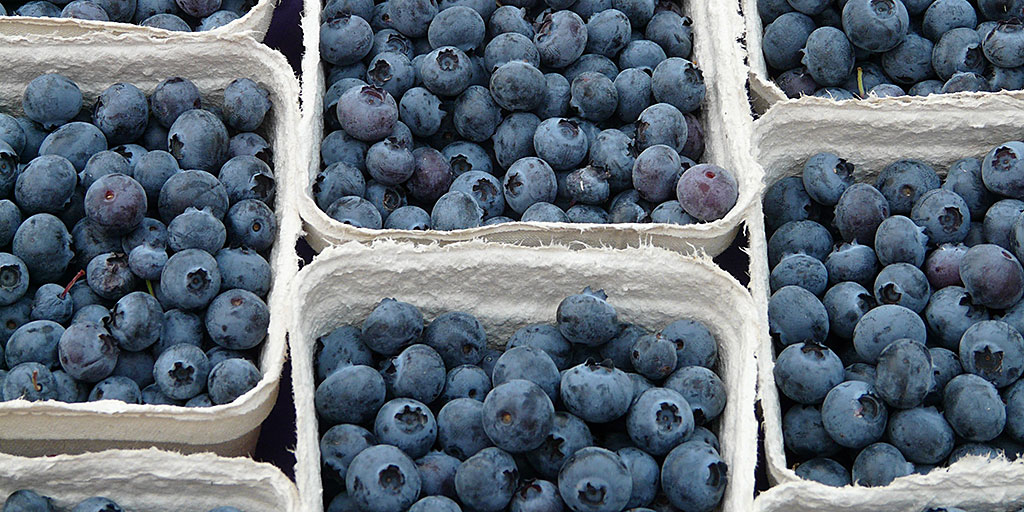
(133, 273)
(465, 114)
(900, 347)
(30, 501)
(445, 420)
(842, 49)
(176, 15)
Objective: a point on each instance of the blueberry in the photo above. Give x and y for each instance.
(339, 445)
(28, 501)
(536, 496)
(654, 356)
(796, 82)
(999, 220)
(460, 430)
(671, 212)
(247, 177)
(513, 139)
(76, 141)
(339, 146)
(795, 315)
(198, 189)
(230, 379)
(36, 342)
(517, 414)
(661, 123)
(51, 303)
(853, 415)
(382, 478)
(431, 178)
(109, 275)
(875, 25)
(633, 87)
(694, 476)
(476, 115)
(196, 229)
(607, 32)
(137, 366)
(509, 18)
(367, 113)
(336, 181)
(190, 279)
(672, 32)
(994, 350)
(136, 321)
(860, 210)
(407, 424)
(51, 100)
(487, 480)
(513, 86)
(973, 408)
(659, 420)
(806, 372)
(825, 471)
(153, 170)
(43, 243)
(237, 319)
(29, 381)
(959, 49)
(802, 236)
(986, 260)
(800, 270)
(87, 352)
(639, 12)
(945, 15)
(922, 435)
(97, 504)
(561, 38)
(251, 144)
(356, 211)
(879, 464)
(804, 434)
(904, 374)
(911, 61)
(902, 284)
(884, 325)
(421, 111)
(826, 176)
(181, 371)
(786, 200)
(117, 388)
(949, 313)
(707, 192)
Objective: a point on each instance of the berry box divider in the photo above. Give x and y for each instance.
(507, 287)
(152, 480)
(725, 115)
(764, 93)
(252, 25)
(784, 138)
(46, 428)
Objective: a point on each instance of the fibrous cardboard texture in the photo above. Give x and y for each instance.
(508, 287)
(152, 480)
(252, 24)
(939, 134)
(725, 115)
(42, 428)
(764, 93)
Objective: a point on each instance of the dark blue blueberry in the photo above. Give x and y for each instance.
(198, 189)
(879, 464)
(922, 435)
(694, 476)
(994, 350)
(466, 381)
(121, 112)
(902, 284)
(787, 200)
(181, 371)
(999, 221)
(34, 342)
(828, 56)
(417, 372)
(137, 366)
(568, 434)
(595, 479)
(860, 210)
(76, 141)
(13, 279)
(654, 356)
(487, 480)
(806, 372)
(796, 82)
(875, 25)
(826, 177)
(109, 276)
(513, 139)
(407, 424)
(339, 146)
(196, 229)
(702, 389)
(250, 223)
(382, 478)
(965, 179)
(29, 381)
(514, 86)
(884, 325)
(391, 327)
(356, 211)
(437, 474)
(45, 185)
(87, 352)
(853, 415)
(517, 415)
(911, 61)
(803, 236)
(596, 392)
(661, 123)
(247, 177)
(672, 32)
(94, 313)
(561, 38)
(231, 379)
(973, 408)
(899, 240)
(795, 315)
(10, 220)
(28, 501)
(456, 210)
(904, 373)
(43, 243)
(237, 319)
(117, 388)
(51, 303)
(367, 113)
(101, 164)
(593, 96)
(460, 430)
(825, 471)
(659, 420)
(536, 496)
(949, 313)
(243, 268)
(958, 50)
(51, 100)
(800, 270)
(190, 279)
(339, 445)
(137, 321)
(336, 181)
(945, 15)
(804, 434)
(341, 348)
